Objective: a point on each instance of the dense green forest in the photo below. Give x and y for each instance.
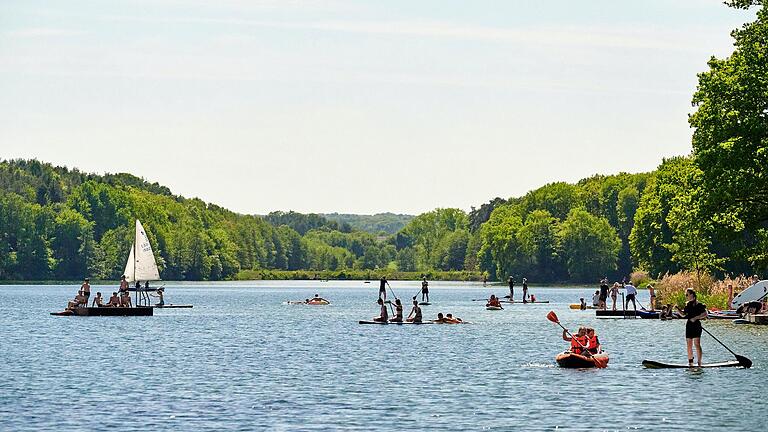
(707, 211)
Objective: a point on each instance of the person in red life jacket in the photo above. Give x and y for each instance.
(578, 341)
(593, 343)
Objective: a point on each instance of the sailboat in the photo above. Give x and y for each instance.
(141, 266)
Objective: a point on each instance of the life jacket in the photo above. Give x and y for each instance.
(576, 347)
(593, 344)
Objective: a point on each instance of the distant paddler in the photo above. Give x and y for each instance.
(159, 294)
(694, 312)
(525, 290)
(425, 290)
(383, 315)
(317, 300)
(383, 288)
(511, 283)
(494, 302)
(415, 315)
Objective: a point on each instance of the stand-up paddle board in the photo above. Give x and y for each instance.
(661, 365)
(395, 323)
(425, 304)
(753, 293)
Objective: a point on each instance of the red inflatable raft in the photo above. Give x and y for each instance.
(568, 359)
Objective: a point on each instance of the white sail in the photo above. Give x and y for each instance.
(141, 265)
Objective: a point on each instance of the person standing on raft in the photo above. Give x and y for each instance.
(383, 288)
(425, 289)
(694, 312)
(603, 298)
(511, 289)
(631, 293)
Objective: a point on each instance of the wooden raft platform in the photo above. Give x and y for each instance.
(757, 318)
(107, 311)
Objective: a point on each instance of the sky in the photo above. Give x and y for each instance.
(354, 106)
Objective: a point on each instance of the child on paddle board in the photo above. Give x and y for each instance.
(694, 312)
(415, 315)
(383, 315)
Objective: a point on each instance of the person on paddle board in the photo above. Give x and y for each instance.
(383, 288)
(511, 282)
(398, 311)
(652, 293)
(525, 290)
(694, 312)
(415, 315)
(425, 290)
(383, 315)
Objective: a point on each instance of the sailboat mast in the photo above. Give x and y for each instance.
(135, 239)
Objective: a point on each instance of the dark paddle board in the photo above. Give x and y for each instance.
(661, 365)
(395, 323)
(425, 304)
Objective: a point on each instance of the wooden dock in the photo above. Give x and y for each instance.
(757, 318)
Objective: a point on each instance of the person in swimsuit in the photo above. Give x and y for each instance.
(602, 299)
(86, 289)
(449, 318)
(98, 301)
(123, 284)
(317, 299)
(425, 290)
(440, 318)
(415, 315)
(114, 301)
(398, 311)
(159, 295)
(614, 293)
(694, 312)
(652, 293)
(485, 280)
(383, 315)
(525, 290)
(383, 288)
(78, 301)
(596, 299)
(511, 282)
(125, 299)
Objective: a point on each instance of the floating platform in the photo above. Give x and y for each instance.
(617, 314)
(107, 311)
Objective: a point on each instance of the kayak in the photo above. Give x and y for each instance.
(578, 306)
(493, 308)
(651, 364)
(568, 359)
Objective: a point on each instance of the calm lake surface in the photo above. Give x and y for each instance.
(241, 359)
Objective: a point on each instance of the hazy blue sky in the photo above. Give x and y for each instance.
(354, 106)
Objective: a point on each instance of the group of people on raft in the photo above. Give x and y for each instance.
(600, 298)
(119, 298)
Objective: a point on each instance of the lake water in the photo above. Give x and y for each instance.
(241, 359)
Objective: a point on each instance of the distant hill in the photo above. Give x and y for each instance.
(389, 223)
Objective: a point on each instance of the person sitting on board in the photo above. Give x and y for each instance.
(449, 318)
(582, 304)
(114, 301)
(78, 301)
(398, 311)
(159, 294)
(98, 301)
(415, 315)
(593, 343)
(694, 312)
(494, 302)
(663, 313)
(631, 293)
(596, 298)
(125, 299)
(533, 298)
(578, 341)
(383, 315)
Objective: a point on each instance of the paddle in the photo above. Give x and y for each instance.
(599, 362)
(747, 363)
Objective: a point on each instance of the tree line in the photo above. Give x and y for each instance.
(705, 212)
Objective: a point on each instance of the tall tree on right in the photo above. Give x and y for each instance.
(730, 141)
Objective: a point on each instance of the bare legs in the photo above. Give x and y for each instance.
(690, 344)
